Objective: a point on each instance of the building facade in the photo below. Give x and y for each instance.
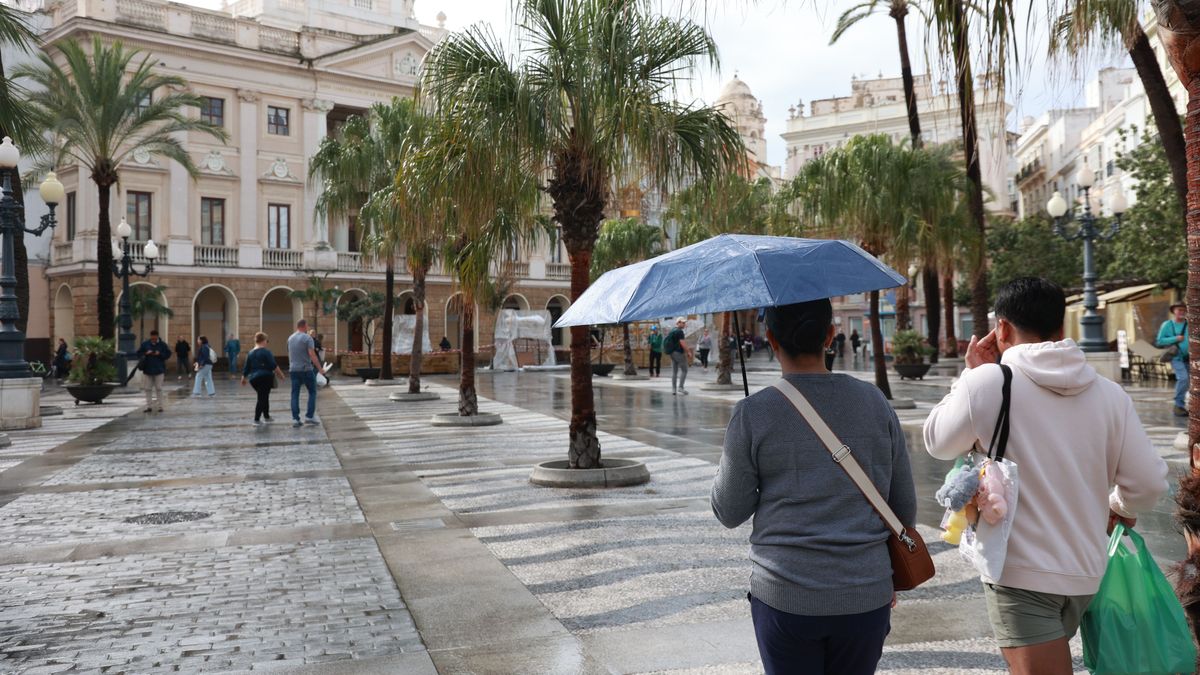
(238, 238)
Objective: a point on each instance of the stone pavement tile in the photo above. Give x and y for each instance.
(110, 467)
(681, 647)
(559, 654)
(408, 664)
(957, 657)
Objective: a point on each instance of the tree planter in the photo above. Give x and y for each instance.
(614, 473)
(456, 420)
(367, 373)
(912, 371)
(408, 397)
(602, 369)
(90, 393)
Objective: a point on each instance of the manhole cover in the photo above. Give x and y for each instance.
(165, 517)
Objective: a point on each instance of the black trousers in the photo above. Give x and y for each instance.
(655, 363)
(849, 644)
(703, 357)
(262, 386)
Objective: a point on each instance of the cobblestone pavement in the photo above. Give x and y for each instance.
(279, 571)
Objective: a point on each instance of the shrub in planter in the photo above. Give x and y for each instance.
(909, 352)
(93, 371)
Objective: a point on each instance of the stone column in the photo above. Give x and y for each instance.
(180, 246)
(250, 247)
(317, 251)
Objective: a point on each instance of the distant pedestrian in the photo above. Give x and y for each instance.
(182, 349)
(821, 578)
(445, 345)
(153, 354)
(656, 351)
(303, 366)
(839, 341)
(320, 348)
(703, 347)
(675, 347)
(205, 358)
(855, 342)
(233, 347)
(260, 371)
(62, 360)
(1174, 333)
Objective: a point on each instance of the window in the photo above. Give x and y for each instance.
(212, 110)
(277, 121)
(352, 234)
(137, 213)
(1108, 168)
(212, 221)
(279, 225)
(144, 102)
(70, 216)
(556, 246)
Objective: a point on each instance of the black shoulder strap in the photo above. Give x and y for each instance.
(1001, 431)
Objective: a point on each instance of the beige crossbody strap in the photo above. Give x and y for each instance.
(841, 454)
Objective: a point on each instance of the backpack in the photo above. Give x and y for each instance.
(671, 343)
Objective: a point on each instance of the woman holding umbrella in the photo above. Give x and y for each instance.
(821, 587)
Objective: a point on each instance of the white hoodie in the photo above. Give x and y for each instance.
(1074, 435)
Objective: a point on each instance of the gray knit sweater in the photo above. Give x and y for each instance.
(817, 547)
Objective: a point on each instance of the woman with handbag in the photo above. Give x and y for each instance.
(260, 371)
(1172, 337)
(827, 491)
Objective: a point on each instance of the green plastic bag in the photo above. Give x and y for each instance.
(1135, 623)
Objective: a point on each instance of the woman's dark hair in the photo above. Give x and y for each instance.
(1032, 304)
(202, 339)
(801, 328)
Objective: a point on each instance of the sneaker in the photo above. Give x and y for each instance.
(309, 420)
(147, 410)
(259, 423)
(267, 418)
(673, 392)
(211, 395)
(296, 424)
(1180, 412)
(683, 391)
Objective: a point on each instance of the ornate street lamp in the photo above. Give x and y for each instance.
(12, 339)
(1092, 323)
(123, 269)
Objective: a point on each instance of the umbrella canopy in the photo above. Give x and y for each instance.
(728, 273)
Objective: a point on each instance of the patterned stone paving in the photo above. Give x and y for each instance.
(111, 468)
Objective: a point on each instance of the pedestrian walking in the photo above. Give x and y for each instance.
(703, 347)
(182, 349)
(62, 360)
(656, 351)
(839, 341)
(206, 357)
(153, 355)
(1173, 336)
(855, 342)
(680, 354)
(821, 588)
(445, 345)
(233, 347)
(316, 338)
(1084, 457)
(260, 371)
(303, 366)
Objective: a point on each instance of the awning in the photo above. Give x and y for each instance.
(1127, 294)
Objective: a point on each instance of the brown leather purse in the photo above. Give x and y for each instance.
(911, 562)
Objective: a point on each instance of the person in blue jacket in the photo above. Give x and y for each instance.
(154, 354)
(1174, 332)
(260, 371)
(205, 357)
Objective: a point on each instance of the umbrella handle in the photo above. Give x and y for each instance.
(737, 332)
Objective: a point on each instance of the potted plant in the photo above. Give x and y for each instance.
(599, 367)
(367, 309)
(909, 351)
(91, 379)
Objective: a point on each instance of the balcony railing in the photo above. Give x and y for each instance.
(514, 269)
(64, 252)
(282, 259)
(560, 271)
(349, 261)
(214, 27)
(141, 13)
(216, 256)
(137, 252)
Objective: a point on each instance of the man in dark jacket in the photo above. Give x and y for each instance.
(182, 349)
(154, 354)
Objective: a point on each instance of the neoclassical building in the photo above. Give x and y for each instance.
(234, 242)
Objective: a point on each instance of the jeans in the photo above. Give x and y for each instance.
(233, 369)
(204, 377)
(679, 368)
(1182, 380)
(262, 387)
(655, 363)
(307, 378)
(153, 387)
(849, 644)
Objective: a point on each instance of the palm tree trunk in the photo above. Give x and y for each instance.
(468, 402)
(933, 308)
(105, 308)
(966, 106)
(725, 360)
(584, 451)
(630, 369)
(910, 92)
(389, 302)
(881, 378)
(1162, 106)
(903, 308)
(418, 346)
(950, 346)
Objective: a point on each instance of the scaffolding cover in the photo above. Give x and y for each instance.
(403, 326)
(513, 325)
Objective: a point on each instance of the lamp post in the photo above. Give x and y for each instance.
(12, 339)
(126, 348)
(1092, 324)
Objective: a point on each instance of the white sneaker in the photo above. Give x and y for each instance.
(683, 391)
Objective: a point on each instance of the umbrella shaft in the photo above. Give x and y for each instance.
(737, 342)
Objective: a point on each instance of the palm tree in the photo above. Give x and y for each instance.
(99, 110)
(145, 300)
(624, 241)
(1089, 24)
(729, 204)
(323, 298)
(17, 122)
(589, 104)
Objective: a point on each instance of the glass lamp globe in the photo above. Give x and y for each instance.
(1118, 203)
(9, 155)
(1086, 178)
(52, 190)
(151, 250)
(116, 250)
(1057, 206)
(123, 229)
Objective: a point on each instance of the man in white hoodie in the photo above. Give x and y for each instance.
(1084, 459)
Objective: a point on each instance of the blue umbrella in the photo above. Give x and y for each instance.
(727, 273)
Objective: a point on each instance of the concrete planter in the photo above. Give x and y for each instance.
(614, 473)
(88, 393)
(623, 376)
(456, 420)
(912, 371)
(602, 369)
(406, 397)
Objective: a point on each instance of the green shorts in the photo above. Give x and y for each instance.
(1022, 618)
